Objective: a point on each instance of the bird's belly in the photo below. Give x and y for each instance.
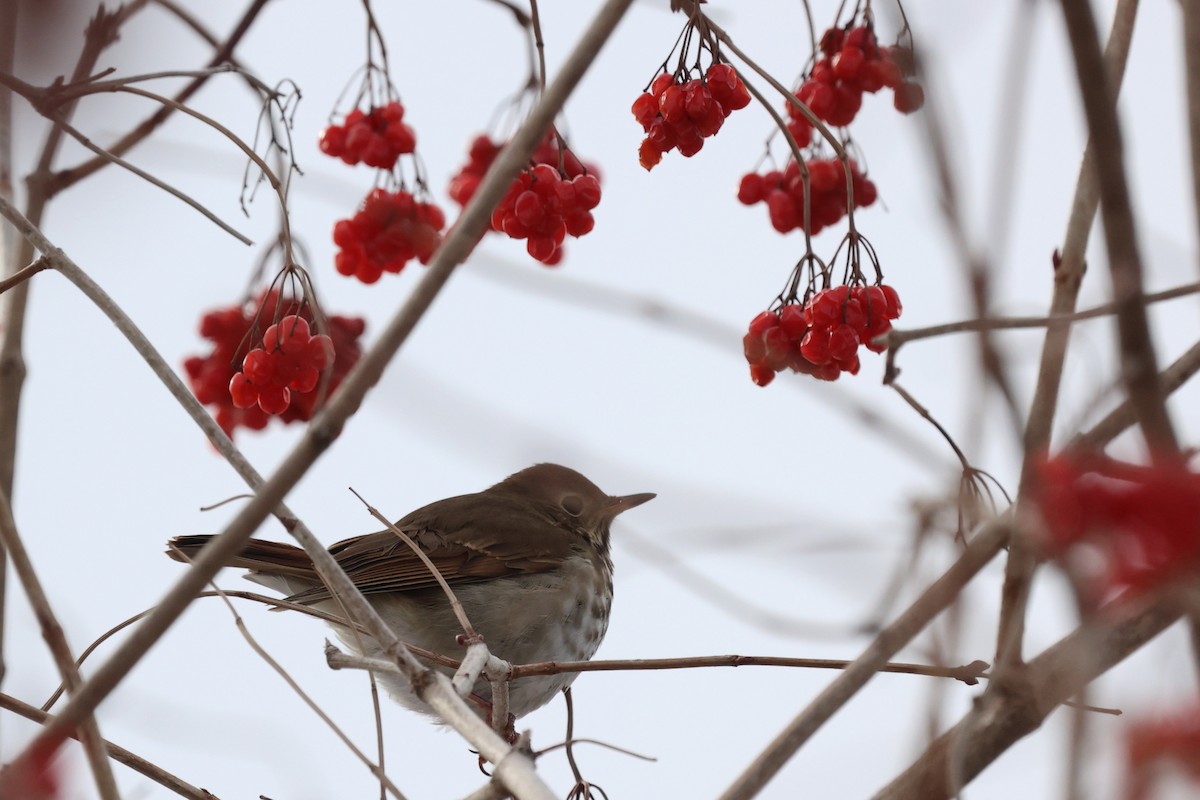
(553, 616)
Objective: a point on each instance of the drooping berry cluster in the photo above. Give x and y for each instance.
(557, 204)
(680, 115)
(542, 207)
(290, 360)
(1140, 526)
(820, 337)
(390, 229)
(483, 152)
(376, 137)
(783, 192)
(851, 63)
(229, 330)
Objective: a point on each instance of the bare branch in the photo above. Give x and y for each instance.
(1068, 276)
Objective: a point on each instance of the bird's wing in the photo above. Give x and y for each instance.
(468, 538)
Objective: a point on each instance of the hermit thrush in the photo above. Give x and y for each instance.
(528, 559)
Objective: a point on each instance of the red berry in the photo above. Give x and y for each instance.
(587, 190)
(761, 374)
(815, 346)
(909, 97)
(791, 320)
(649, 155)
(661, 83)
(274, 401)
(241, 391)
(843, 342)
(849, 62)
(763, 322)
(893, 301)
(750, 189)
(645, 109)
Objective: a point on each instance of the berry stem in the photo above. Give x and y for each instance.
(791, 98)
(794, 146)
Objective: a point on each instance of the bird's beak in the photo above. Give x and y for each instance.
(616, 505)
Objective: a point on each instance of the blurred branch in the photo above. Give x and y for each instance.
(66, 178)
(1138, 360)
(56, 642)
(944, 591)
(8, 251)
(118, 753)
(1124, 416)
(1068, 276)
(973, 260)
(1000, 719)
(1191, 78)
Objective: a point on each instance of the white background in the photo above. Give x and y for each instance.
(781, 496)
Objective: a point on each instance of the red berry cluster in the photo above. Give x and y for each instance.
(1144, 522)
(821, 337)
(680, 116)
(290, 360)
(783, 193)
(376, 137)
(553, 205)
(852, 63)
(542, 207)
(390, 229)
(228, 329)
(483, 152)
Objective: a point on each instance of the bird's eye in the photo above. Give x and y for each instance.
(572, 504)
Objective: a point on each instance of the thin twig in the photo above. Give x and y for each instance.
(24, 274)
(459, 612)
(969, 674)
(161, 184)
(897, 337)
(261, 652)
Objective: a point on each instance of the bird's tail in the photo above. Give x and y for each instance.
(274, 558)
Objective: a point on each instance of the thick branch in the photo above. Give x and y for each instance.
(1001, 719)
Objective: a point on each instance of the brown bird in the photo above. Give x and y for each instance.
(528, 559)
